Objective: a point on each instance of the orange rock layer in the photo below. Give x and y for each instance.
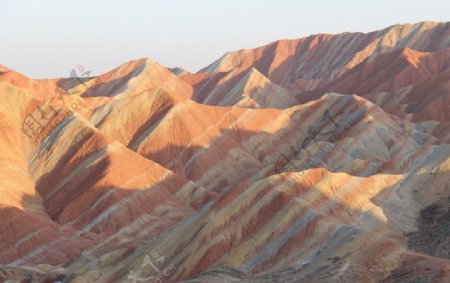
(308, 160)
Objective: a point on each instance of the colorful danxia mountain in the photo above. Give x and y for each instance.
(320, 159)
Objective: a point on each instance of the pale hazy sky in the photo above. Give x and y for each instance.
(48, 38)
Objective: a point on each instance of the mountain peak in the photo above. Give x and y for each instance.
(4, 69)
(275, 166)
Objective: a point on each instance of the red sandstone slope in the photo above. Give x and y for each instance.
(130, 176)
(324, 57)
(391, 71)
(281, 215)
(249, 89)
(68, 186)
(346, 63)
(402, 82)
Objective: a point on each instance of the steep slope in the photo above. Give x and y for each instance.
(147, 173)
(288, 62)
(391, 71)
(132, 75)
(378, 144)
(66, 187)
(424, 101)
(314, 62)
(403, 82)
(284, 217)
(253, 90)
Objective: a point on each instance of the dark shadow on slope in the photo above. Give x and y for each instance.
(183, 155)
(28, 240)
(433, 235)
(413, 102)
(203, 87)
(232, 137)
(192, 161)
(69, 83)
